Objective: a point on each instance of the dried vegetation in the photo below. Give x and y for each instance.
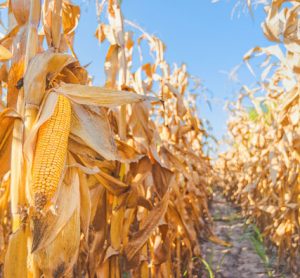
(96, 181)
(260, 170)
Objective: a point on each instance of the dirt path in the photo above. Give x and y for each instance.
(246, 258)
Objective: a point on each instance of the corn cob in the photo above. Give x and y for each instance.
(50, 153)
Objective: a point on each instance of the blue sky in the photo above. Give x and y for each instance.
(201, 34)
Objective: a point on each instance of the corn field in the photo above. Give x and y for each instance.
(97, 181)
(260, 169)
(116, 181)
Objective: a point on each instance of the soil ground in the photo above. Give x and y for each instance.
(246, 258)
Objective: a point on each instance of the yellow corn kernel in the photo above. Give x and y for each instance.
(50, 153)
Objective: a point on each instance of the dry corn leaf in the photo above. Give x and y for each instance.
(15, 80)
(85, 205)
(20, 9)
(5, 54)
(163, 178)
(15, 264)
(47, 227)
(112, 184)
(92, 126)
(58, 258)
(70, 17)
(90, 95)
(52, 22)
(41, 71)
(7, 118)
(127, 153)
(153, 219)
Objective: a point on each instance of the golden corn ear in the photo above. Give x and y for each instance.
(50, 153)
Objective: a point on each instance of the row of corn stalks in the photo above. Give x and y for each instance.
(261, 168)
(96, 181)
